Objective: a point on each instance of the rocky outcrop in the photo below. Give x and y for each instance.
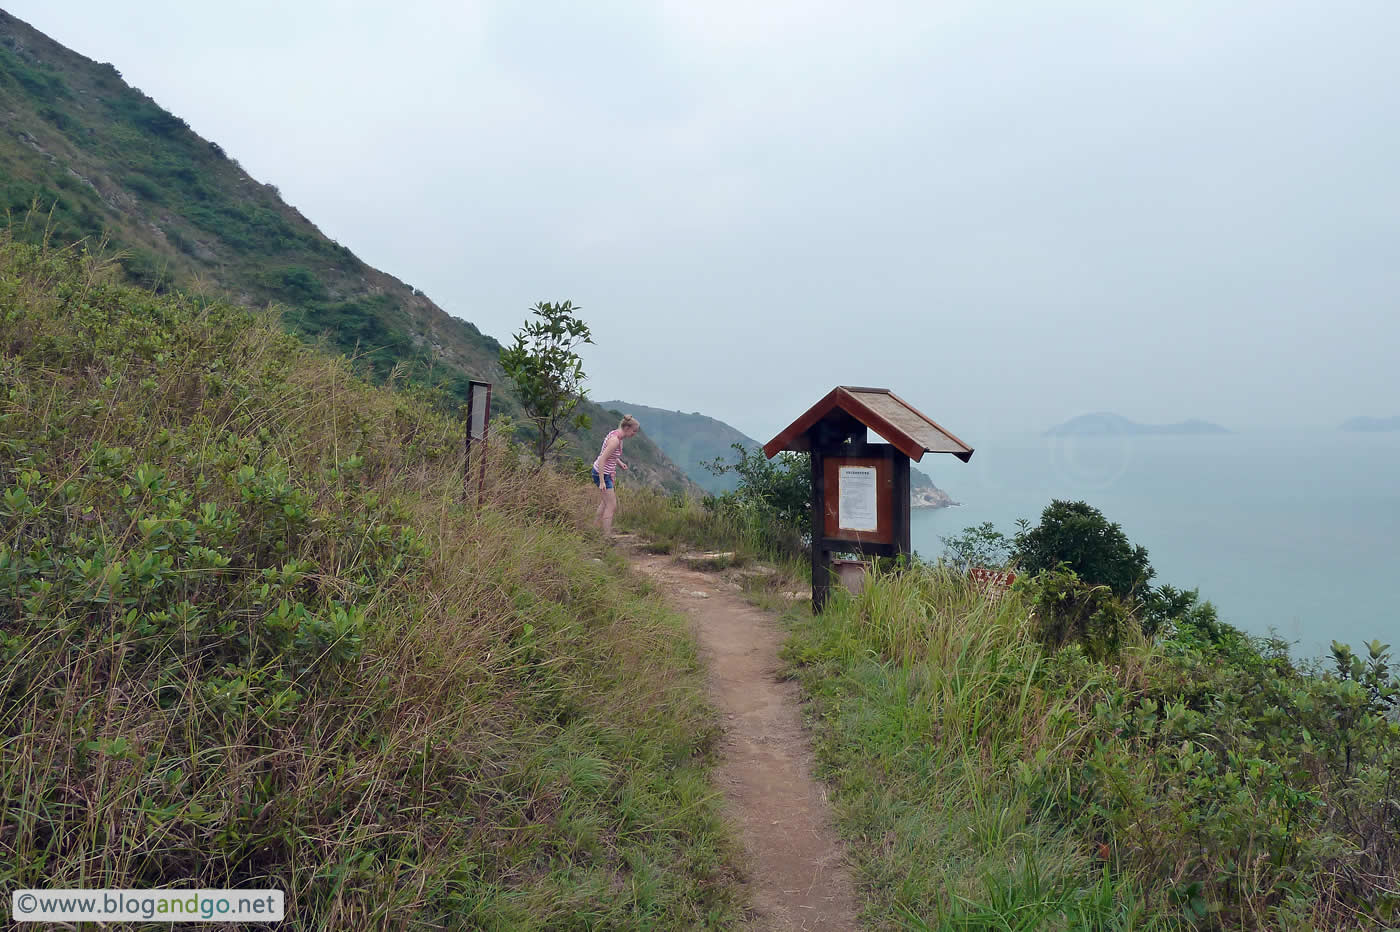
(930, 497)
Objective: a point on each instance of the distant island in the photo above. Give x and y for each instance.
(1372, 424)
(1108, 424)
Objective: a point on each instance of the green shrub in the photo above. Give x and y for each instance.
(982, 545)
(36, 80)
(780, 488)
(1068, 609)
(146, 269)
(1095, 549)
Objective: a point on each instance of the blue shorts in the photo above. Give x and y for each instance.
(607, 479)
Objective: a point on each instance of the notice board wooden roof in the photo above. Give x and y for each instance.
(881, 410)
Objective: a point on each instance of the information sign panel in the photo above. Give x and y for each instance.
(478, 425)
(856, 505)
(859, 498)
(480, 408)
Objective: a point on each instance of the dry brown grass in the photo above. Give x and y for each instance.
(256, 632)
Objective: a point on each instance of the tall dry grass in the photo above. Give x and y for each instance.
(991, 782)
(254, 632)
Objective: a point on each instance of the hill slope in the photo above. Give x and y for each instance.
(102, 161)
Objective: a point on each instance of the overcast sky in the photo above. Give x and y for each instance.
(1009, 213)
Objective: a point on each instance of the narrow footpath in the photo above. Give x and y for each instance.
(796, 868)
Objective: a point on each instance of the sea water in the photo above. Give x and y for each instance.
(1295, 534)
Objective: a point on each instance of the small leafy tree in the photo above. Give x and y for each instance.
(981, 545)
(548, 372)
(781, 487)
(1163, 605)
(1095, 549)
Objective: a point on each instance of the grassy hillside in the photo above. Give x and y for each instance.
(1198, 781)
(251, 636)
(103, 162)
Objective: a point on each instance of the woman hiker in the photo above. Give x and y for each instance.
(605, 466)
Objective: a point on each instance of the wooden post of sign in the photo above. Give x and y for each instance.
(902, 495)
(821, 557)
(478, 427)
(485, 434)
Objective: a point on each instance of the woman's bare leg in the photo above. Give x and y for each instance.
(607, 509)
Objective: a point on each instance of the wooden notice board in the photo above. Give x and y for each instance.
(860, 490)
(863, 509)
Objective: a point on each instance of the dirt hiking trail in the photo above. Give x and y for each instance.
(796, 871)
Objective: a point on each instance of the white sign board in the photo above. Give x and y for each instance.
(855, 510)
(480, 392)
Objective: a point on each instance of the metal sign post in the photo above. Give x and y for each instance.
(478, 427)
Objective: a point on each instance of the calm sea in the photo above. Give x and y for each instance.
(1296, 534)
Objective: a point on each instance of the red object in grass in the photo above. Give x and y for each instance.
(992, 582)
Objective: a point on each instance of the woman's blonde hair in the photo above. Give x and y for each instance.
(628, 421)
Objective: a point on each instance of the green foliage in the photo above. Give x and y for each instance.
(1204, 781)
(300, 284)
(982, 545)
(146, 269)
(58, 118)
(1162, 606)
(780, 488)
(140, 112)
(41, 83)
(1096, 550)
(1372, 673)
(1273, 792)
(46, 212)
(768, 512)
(1069, 610)
(1073, 560)
(675, 521)
(250, 636)
(251, 229)
(548, 372)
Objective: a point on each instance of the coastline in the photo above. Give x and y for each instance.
(930, 498)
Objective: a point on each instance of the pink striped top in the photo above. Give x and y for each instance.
(610, 465)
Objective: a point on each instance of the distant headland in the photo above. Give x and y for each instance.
(1108, 424)
(1372, 424)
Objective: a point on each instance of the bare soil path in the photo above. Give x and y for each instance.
(797, 874)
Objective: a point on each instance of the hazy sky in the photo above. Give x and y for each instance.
(1009, 213)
